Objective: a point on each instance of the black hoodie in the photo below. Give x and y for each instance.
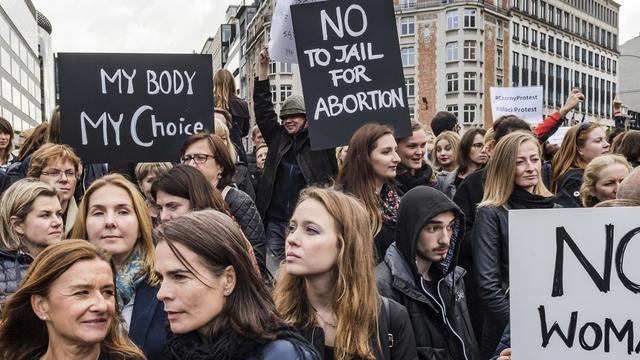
(398, 278)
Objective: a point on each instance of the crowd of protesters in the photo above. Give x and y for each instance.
(385, 248)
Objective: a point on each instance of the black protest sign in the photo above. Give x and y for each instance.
(351, 71)
(133, 107)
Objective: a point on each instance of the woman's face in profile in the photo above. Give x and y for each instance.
(191, 302)
(80, 305)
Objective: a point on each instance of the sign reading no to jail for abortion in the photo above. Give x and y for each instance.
(350, 68)
(133, 107)
(575, 283)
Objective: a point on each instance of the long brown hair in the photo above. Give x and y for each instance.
(23, 336)
(355, 296)
(34, 141)
(224, 87)
(501, 170)
(145, 242)
(567, 157)
(6, 128)
(219, 243)
(356, 175)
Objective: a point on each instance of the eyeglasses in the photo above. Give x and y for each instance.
(55, 173)
(198, 158)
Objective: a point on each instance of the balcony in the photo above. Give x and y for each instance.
(410, 5)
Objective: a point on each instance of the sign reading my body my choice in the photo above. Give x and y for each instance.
(350, 67)
(133, 107)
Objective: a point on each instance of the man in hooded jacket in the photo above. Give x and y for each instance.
(419, 271)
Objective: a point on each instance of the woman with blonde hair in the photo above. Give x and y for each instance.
(113, 216)
(224, 90)
(327, 288)
(581, 144)
(241, 176)
(445, 149)
(513, 181)
(66, 309)
(368, 174)
(602, 176)
(30, 213)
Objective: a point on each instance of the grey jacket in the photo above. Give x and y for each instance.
(13, 268)
(446, 182)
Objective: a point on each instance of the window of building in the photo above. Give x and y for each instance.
(551, 43)
(5, 58)
(285, 92)
(6, 89)
(515, 72)
(500, 30)
(469, 18)
(567, 53)
(469, 113)
(590, 58)
(285, 67)
(559, 47)
(534, 38)
(525, 34)
(543, 78)
(452, 51)
(614, 67)
(596, 60)
(499, 81)
(408, 55)
(525, 70)
(407, 25)
(273, 67)
(470, 79)
(576, 25)
(543, 10)
(408, 4)
(274, 94)
(452, 82)
(543, 41)
(576, 53)
(534, 71)
(550, 14)
(566, 24)
(453, 109)
(558, 17)
(409, 83)
(499, 58)
(516, 31)
(469, 49)
(534, 7)
(452, 20)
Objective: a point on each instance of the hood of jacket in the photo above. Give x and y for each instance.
(417, 208)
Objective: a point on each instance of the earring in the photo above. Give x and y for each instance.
(219, 176)
(43, 317)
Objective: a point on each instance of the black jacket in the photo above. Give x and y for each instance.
(246, 215)
(13, 268)
(240, 124)
(398, 278)
(405, 181)
(394, 323)
(568, 191)
(148, 328)
(317, 167)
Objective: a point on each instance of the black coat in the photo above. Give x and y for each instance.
(148, 327)
(398, 278)
(317, 167)
(491, 269)
(393, 321)
(240, 124)
(568, 191)
(246, 215)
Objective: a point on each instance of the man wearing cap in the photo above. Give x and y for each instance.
(291, 165)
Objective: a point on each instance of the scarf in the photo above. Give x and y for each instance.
(407, 181)
(129, 278)
(522, 199)
(389, 203)
(227, 345)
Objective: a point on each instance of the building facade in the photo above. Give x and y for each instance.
(20, 75)
(454, 51)
(629, 74)
(46, 60)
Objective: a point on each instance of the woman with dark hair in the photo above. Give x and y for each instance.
(113, 216)
(208, 153)
(630, 147)
(224, 91)
(471, 156)
(327, 288)
(66, 309)
(368, 174)
(581, 144)
(217, 306)
(184, 189)
(413, 170)
(6, 143)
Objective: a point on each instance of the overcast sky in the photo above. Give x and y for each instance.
(173, 26)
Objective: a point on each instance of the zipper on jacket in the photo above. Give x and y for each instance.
(444, 313)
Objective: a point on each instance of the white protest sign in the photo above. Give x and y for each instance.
(575, 283)
(558, 136)
(282, 42)
(523, 102)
